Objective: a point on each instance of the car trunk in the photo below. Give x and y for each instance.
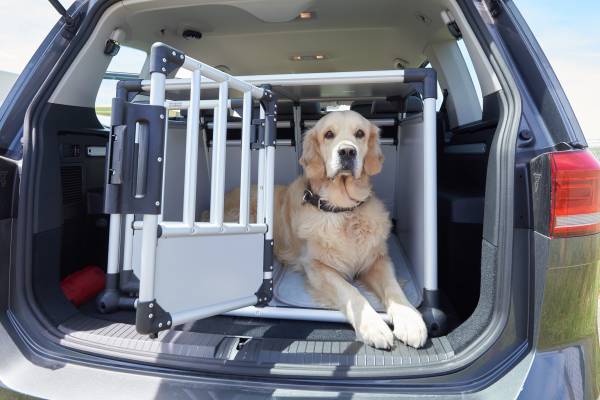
(291, 335)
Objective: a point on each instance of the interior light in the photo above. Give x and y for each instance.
(308, 57)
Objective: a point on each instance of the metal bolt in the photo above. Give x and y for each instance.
(271, 289)
(164, 60)
(168, 323)
(174, 53)
(150, 316)
(157, 203)
(160, 324)
(162, 116)
(164, 69)
(181, 56)
(151, 305)
(159, 159)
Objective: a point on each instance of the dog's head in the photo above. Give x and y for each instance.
(341, 143)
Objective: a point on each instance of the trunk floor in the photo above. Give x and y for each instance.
(242, 326)
(183, 347)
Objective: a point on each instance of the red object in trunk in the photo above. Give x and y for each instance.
(83, 285)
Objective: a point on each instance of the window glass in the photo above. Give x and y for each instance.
(127, 63)
(471, 68)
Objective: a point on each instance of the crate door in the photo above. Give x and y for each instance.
(208, 275)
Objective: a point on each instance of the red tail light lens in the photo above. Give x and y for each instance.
(575, 208)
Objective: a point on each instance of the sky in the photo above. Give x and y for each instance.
(568, 32)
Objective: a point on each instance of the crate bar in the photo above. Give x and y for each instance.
(245, 160)
(297, 115)
(220, 139)
(213, 167)
(238, 125)
(303, 314)
(191, 152)
(182, 317)
(179, 229)
(149, 237)
(204, 104)
(430, 195)
(315, 79)
(128, 243)
(114, 243)
(219, 77)
(377, 121)
(260, 185)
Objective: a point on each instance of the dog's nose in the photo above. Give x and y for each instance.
(348, 153)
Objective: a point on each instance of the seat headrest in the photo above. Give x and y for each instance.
(413, 105)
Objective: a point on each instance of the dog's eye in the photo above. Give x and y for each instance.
(359, 134)
(329, 135)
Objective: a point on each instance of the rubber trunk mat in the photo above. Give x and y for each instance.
(122, 338)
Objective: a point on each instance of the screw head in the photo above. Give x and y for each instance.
(159, 159)
(157, 203)
(164, 69)
(168, 323)
(162, 116)
(181, 56)
(174, 53)
(150, 316)
(164, 60)
(151, 305)
(160, 324)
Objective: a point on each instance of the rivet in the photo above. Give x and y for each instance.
(168, 323)
(157, 203)
(150, 316)
(164, 69)
(151, 305)
(181, 56)
(159, 159)
(162, 116)
(160, 324)
(174, 53)
(164, 60)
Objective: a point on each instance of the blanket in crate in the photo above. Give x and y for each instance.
(290, 290)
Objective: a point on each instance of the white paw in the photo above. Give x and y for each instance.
(373, 331)
(409, 326)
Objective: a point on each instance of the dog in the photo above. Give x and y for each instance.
(330, 226)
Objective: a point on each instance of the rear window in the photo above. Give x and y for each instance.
(127, 64)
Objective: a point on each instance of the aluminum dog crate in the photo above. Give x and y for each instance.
(190, 270)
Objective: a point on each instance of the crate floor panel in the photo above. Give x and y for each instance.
(123, 339)
(290, 291)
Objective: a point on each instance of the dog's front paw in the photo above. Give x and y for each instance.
(373, 331)
(409, 326)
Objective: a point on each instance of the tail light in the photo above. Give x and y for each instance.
(575, 194)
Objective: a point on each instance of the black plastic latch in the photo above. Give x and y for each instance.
(258, 134)
(265, 291)
(133, 171)
(165, 59)
(150, 318)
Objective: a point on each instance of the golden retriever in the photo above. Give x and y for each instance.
(330, 225)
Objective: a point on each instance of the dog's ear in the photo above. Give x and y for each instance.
(311, 160)
(374, 158)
